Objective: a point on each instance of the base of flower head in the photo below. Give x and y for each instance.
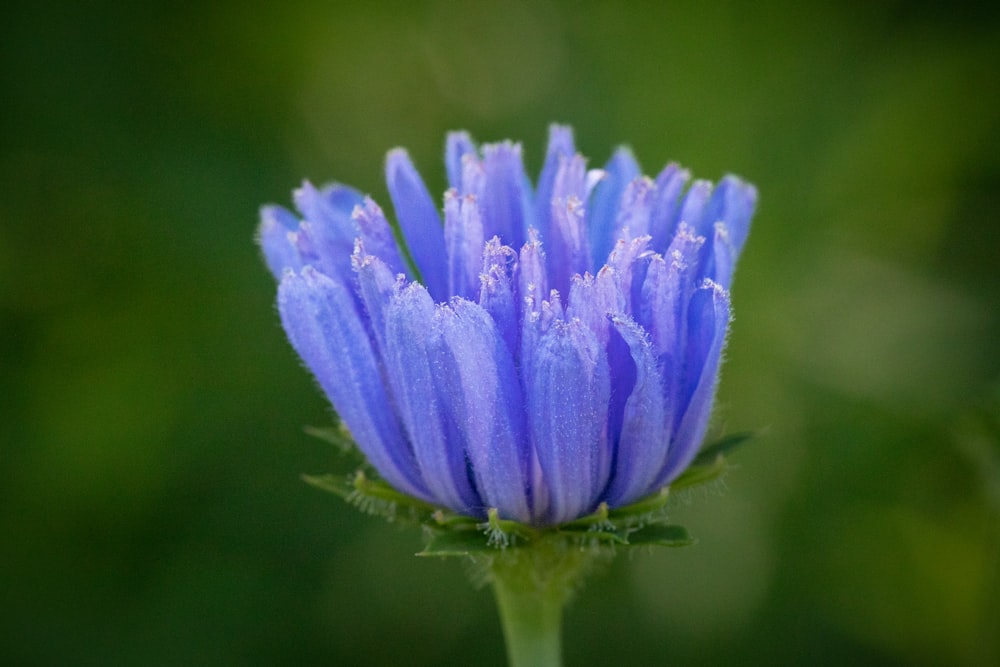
(449, 534)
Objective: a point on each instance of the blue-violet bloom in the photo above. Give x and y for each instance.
(549, 347)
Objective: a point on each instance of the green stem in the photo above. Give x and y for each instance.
(532, 584)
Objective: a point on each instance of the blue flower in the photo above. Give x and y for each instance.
(547, 349)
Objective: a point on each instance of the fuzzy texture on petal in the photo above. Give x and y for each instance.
(418, 220)
(602, 215)
(412, 352)
(318, 315)
(276, 224)
(481, 396)
(641, 451)
(568, 392)
(463, 236)
(707, 324)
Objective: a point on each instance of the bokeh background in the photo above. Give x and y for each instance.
(151, 411)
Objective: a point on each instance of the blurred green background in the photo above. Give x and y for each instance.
(151, 410)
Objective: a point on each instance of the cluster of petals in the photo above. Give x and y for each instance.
(538, 349)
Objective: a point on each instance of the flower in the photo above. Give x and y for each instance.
(549, 348)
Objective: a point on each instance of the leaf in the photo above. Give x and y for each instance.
(335, 484)
(700, 474)
(710, 462)
(720, 447)
(641, 508)
(661, 535)
(335, 435)
(604, 536)
(456, 543)
(374, 497)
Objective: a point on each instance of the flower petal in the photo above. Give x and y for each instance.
(629, 270)
(730, 208)
(568, 243)
(633, 214)
(694, 205)
(411, 358)
(376, 285)
(602, 213)
(463, 236)
(320, 319)
(457, 146)
(560, 148)
(567, 397)
(377, 235)
(643, 444)
(496, 292)
(531, 279)
(663, 217)
(733, 202)
(276, 223)
(665, 292)
(708, 322)
(418, 220)
(331, 229)
(505, 194)
(481, 395)
(593, 298)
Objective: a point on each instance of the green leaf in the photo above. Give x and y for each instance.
(335, 484)
(456, 543)
(641, 508)
(337, 435)
(700, 474)
(374, 497)
(710, 462)
(603, 536)
(661, 535)
(721, 447)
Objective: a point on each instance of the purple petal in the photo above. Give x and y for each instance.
(665, 292)
(531, 279)
(569, 249)
(633, 215)
(419, 221)
(376, 285)
(377, 235)
(567, 398)
(331, 228)
(628, 261)
(694, 206)
(321, 322)
(663, 217)
(496, 292)
(482, 397)
(732, 202)
(502, 204)
(708, 322)
(412, 348)
(643, 443)
(568, 243)
(457, 146)
(593, 298)
(560, 148)
(463, 236)
(280, 253)
(602, 214)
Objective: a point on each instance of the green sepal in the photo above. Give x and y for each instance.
(642, 523)
(661, 535)
(710, 462)
(374, 497)
(336, 435)
(456, 543)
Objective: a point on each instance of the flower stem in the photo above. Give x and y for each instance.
(532, 584)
